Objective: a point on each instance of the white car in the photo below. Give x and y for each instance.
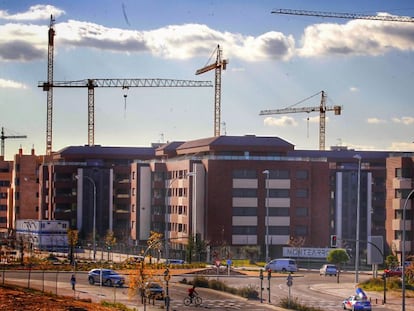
(328, 270)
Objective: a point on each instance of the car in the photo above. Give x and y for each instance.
(356, 303)
(282, 264)
(328, 270)
(106, 277)
(154, 290)
(393, 272)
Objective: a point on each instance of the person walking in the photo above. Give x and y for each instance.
(73, 281)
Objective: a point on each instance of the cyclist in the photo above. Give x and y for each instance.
(191, 292)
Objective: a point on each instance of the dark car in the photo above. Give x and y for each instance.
(106, 277)
(356, 303)
(154, 290)
(393, 272)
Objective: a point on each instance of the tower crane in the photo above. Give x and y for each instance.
(49, 113)
(91, 84)
(322, 108)
(384, 18)
(3, 138)
(219, 65)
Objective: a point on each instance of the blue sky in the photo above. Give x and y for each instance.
(275, 61)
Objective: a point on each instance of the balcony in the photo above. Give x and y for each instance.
(399, 204)
(397, 225)
(397, 246)
(402, 183)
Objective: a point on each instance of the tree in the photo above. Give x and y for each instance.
(391, 261)
(72, 241)
(110, 240)
(338, 257)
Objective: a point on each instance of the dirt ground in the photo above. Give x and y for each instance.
(16, 299)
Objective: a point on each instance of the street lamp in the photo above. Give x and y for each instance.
(166, 233)
(266, 172)
(403, 252)
(94, 214)
(358, 157)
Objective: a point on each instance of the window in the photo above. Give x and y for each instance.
(278, 230)
(278, 174)
(278, 211)
(302, 174)
(302, 193)
(301, 231)
(301, 212)
(244, 211)
(244, 230)
(245, 174)
(279, 193)
(244, 193)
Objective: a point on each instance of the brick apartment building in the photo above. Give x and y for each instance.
(218, 189)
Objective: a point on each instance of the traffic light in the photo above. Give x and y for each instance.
(333, 241)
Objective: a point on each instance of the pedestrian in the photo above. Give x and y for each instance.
(73, 281)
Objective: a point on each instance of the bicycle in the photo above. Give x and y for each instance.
(197, 300)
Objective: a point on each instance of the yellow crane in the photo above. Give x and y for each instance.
(322, 108)
(219, 65)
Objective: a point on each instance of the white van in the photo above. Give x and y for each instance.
(282, 264)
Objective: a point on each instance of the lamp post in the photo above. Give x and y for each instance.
(358, 157)
(403, 252)
(166, 231)
(266, 172)
(94, 214)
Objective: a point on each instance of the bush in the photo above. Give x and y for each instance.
(249, 292)
(294, 304)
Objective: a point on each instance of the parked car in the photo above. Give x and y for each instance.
(154, 290)
(356, 303)
(107, 276)
(328, 269)
(393, 272)
(282, 264)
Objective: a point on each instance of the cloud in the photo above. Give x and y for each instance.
(357, 37)
(36, 12)
(375, 121)
(353, 89)
(402, 146)
(404, 120)
(176, 41)
(280, 122)
(11, 84)
(19, 42)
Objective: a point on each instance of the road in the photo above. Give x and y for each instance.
(308, 287)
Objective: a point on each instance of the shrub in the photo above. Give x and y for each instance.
(294, 304)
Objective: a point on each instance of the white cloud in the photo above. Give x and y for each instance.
(353, 89)
(375, 121)
(404, 120)
(11, 84)
(402, 146)
(36, 12)
(280, 122)
(19, 42)
(357, 37)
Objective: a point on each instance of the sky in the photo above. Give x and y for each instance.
(274, 61)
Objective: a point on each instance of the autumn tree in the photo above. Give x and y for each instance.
(72, 241)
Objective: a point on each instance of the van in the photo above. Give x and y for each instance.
(282, 264)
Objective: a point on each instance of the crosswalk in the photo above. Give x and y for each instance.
(221, 304)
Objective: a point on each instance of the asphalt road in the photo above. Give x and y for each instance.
(308, 287)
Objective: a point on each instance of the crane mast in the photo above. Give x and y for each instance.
(384, 18)
(322, 108)
(4, 137)
(50, 52)
(91, 84)
(218, 66)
